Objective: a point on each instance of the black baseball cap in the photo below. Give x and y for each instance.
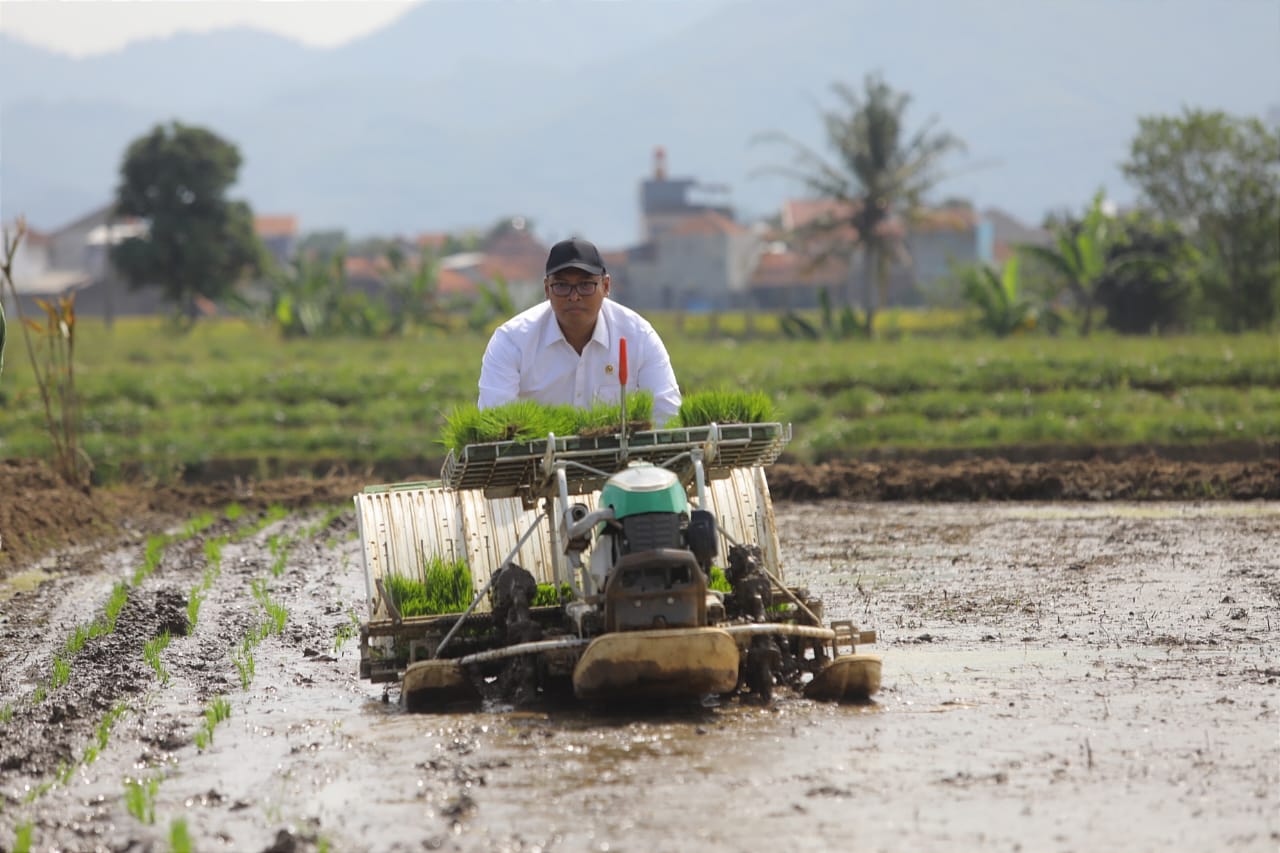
(577, 253)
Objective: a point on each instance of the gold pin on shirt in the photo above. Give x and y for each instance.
(608, 368)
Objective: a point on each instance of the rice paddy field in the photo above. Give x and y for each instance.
(158, 402)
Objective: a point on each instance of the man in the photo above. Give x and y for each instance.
(565, 350)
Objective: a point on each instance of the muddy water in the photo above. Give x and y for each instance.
(1057, 677)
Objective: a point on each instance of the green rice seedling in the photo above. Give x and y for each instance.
(213, 553)
(119, 595)
(548, 596)
(277, 614)
(61, 672)
(346, 630)
(447, 589)
(233, 512)
(279, 546)
(195, 526)
(194, 600)
(718, 581)
(243, 660)
(22, 837)
(219, 709)
(65, 769)
(521, 420)
(140, 798)
(108, 722)
(77, 639)
(179, 837)
(725, 407)
(6, 713)
(39, 695)
(151, 651)
(606, 418)
(152, 554)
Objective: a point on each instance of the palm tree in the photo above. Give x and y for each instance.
(879, 173)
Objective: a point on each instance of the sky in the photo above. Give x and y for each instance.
(88, 27)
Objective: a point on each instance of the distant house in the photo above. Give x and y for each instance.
(786, 280)
(935, 240)
(513, 254)
(666, 202)
(1007, 233)
(279, 235)
(431, 241)
(75, 258)
(695, 256)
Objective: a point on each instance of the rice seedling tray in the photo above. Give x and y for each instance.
(524, 468)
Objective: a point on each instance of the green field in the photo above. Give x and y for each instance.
(156, 401)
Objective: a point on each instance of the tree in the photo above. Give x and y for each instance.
(1155, 291)
(1218, 177)
(413, 292)
(879, 172)
(198, 243)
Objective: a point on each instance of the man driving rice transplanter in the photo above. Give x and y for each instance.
(565, 349)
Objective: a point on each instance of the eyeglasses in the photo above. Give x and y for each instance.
(586, 287)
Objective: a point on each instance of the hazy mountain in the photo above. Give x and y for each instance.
(461, 112)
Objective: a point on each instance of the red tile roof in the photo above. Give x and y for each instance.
(791, 269)
(454, 283)
(526, 268)
(799, 212)
(275, 226)
(367, 268)
(707, 223)
(37, 238)
(431, 240)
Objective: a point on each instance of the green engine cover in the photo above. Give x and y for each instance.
(644, 488)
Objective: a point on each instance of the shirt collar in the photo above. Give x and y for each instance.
(551, 333)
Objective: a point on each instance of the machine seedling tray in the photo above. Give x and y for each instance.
(524, 468)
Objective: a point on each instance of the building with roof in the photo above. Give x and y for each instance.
(932, 243)
(695, 255)
(279, 236)
(75, 258)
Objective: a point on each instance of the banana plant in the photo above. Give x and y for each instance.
(999, 296)
(1081, 257)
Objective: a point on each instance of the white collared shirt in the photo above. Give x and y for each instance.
(528, 358)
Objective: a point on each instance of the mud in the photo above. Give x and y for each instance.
(38, 513)
(1058, 676)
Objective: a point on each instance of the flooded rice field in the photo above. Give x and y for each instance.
(1056, 677)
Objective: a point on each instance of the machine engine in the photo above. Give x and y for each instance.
(651, 555)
